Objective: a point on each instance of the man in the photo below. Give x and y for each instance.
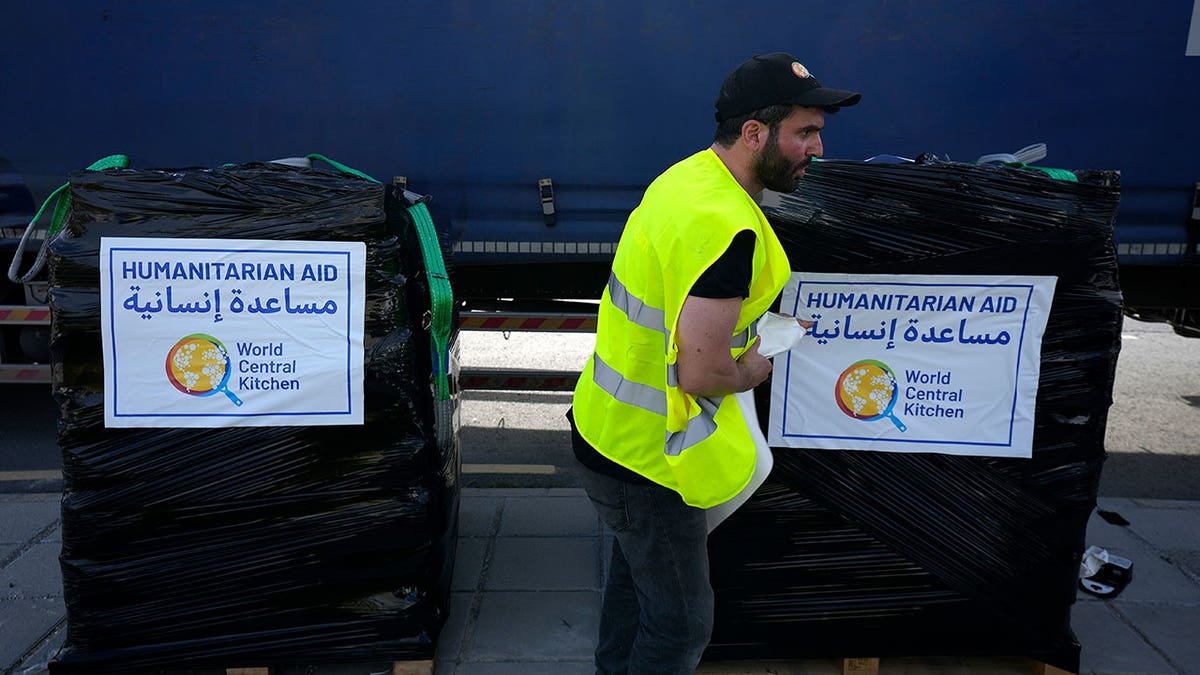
(654, 428)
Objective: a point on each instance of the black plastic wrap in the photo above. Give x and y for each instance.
(858, 553)
(190, 548)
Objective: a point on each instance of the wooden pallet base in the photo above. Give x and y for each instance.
(875, 666)
(398, 668)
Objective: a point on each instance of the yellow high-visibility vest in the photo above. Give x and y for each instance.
(628, 404)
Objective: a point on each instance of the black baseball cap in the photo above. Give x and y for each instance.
(776, 79)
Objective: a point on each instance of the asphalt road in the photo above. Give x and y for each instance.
(520, 439)
(1153, 434)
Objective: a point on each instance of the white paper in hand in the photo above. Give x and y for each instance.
(778, 333)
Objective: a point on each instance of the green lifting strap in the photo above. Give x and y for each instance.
(339, 166)
(440, 294)
(1056, 174)
(62, 205)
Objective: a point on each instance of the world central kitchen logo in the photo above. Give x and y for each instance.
(868, 390)
(200, 365)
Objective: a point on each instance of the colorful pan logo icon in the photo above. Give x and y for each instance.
(198, 365)
(868, 391)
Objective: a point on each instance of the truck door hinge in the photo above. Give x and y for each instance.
(546, 190)
(409, 196)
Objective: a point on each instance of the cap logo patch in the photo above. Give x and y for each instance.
(800, 71)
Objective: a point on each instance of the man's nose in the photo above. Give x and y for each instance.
(817, 149)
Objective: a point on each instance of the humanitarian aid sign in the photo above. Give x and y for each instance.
(944, 364)
(238, 332)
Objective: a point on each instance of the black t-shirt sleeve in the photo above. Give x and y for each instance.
(729, 276)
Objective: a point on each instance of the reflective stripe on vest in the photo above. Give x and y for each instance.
(654, 318)
(626, 391)
(634, 307)
(654, 400)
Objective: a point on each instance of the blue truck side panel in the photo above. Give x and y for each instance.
(476, 101)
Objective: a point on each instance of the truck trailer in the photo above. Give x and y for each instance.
(534, 126)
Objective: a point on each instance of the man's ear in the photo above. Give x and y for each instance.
(754, 134)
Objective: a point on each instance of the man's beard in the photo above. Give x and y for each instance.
(773, 170)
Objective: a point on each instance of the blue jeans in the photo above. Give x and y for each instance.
(657, 614)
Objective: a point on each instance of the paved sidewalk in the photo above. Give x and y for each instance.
(526, 590)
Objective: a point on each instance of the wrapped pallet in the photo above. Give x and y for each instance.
(873, 553)
(196, 534)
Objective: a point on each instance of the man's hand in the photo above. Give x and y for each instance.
(754, 366)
